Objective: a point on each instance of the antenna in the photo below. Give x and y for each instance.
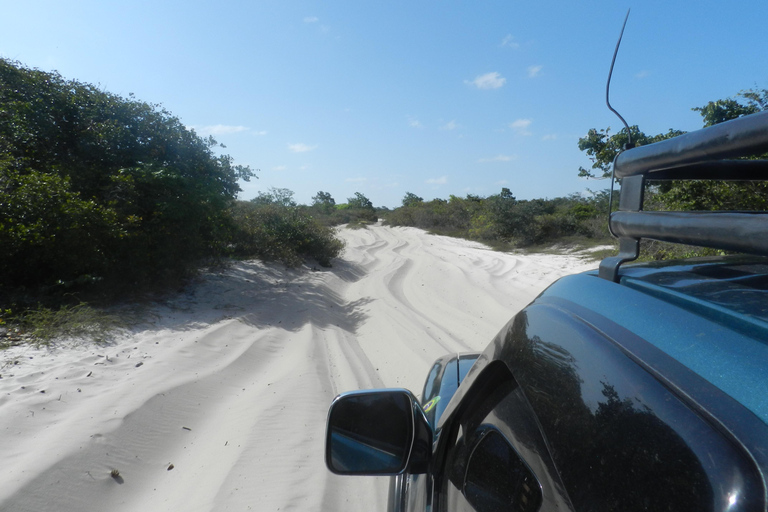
(629, 144)
(608, 84)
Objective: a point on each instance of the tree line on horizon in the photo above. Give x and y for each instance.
(502, 219)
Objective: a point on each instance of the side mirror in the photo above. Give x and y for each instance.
(380, 432)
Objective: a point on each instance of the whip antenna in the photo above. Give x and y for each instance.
(629, 132)
(608, 84)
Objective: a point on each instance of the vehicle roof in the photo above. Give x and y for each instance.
(736, 286)
(710, 315)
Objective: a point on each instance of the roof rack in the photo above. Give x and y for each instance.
(706, 154)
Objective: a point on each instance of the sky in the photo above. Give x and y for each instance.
(383, 98)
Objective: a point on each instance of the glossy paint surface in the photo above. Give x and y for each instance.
(715, 346)
(620, 439)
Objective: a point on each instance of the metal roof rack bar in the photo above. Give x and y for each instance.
(744, 136)
(731, 170)
(743, 232)
(698, 155)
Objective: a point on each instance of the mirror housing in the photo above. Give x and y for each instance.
(377, 432)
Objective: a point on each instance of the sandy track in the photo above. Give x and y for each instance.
(230, 382)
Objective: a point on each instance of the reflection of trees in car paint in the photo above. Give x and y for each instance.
(635, 425)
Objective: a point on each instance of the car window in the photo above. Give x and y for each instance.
(497, 479)
(429, 386)
(465, 363)
(487, 474)
(449, 383)
(484, 472)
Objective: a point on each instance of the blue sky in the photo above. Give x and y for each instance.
(384, 98)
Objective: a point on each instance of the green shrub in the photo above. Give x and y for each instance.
(285, 234)
(99, 187)
(501, 220)
(49, 233)
(42, 324)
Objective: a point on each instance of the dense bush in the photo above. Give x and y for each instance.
(503, 219)
(357, 210)
(96, 186)
(47, 229)
(284, 233)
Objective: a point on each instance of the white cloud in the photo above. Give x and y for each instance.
(509, 42)
(442, 180)
(491, 80)
(498, 158)
(219, 129)
(414, 123)
(301, 148)
(260, 133)
(279, 168)
(533, 71)
(642, 74)
(550, 136)
(450, 125)
(521, 126)
(311, 19)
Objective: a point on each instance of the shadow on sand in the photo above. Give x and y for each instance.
(264, 295)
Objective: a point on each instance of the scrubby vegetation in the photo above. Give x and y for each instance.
(502, 220)
(283, 231)
(99, 187)
(42, 324)
(357, 211)
(105, 194)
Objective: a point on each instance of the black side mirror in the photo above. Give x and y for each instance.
(380, 432)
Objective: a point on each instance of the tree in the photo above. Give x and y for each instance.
(323, 203)
(276, 196)
(360, 201)
(602, 148)
(724, 110)
(361, 208)
(412, 199)
(323, 200)
(502, 212)
(506, 194)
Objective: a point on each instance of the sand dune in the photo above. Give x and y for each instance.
(219, 402)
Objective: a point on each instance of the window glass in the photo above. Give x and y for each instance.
(429, 386)
(497, 479)
(465, 363)
(448, 385)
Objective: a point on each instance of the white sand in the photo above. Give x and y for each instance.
(231, 381)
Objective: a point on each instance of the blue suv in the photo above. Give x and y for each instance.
(630, 388)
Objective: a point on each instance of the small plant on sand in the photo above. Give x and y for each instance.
(42, 324)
